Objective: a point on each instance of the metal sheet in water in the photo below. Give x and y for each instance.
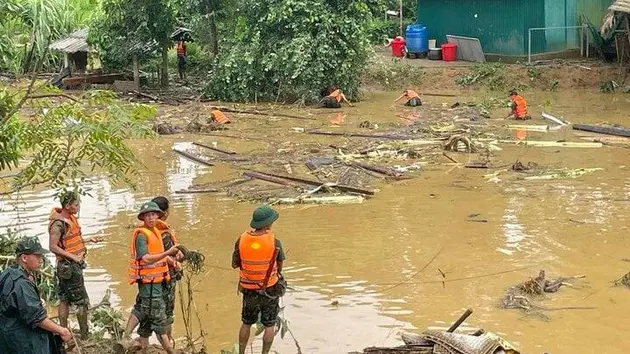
(468, 49)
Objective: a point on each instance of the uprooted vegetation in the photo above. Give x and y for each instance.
(493, 76)
(527, 295)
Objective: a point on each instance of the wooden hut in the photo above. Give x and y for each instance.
(75, 48)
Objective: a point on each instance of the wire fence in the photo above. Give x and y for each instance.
(544, 40)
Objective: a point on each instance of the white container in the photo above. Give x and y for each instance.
(432, 43)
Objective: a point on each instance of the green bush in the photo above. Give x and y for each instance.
(292, 49)
(198, 58)
(391, 73)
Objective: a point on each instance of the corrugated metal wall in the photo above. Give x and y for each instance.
(499, 24)
(502, 25)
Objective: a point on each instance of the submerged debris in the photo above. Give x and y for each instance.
(520, 296)
(449, 341)
(166, 128)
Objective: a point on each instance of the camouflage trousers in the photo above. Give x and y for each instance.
(151, 312)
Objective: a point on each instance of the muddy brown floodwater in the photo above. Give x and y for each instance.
(354, 254)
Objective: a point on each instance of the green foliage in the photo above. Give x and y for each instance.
(608, 86)
(493, 76)
(28, 26)
(197, 57)
(380, 30)
(604, 41)
(126, 28)
(108, 320)
(391, 73)
(291, 50)
(67, 141)
(44, 279)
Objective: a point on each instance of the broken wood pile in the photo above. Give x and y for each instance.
(449, 341)
(520, 296)
(310, 172)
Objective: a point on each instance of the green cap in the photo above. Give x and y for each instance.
(263, 216)
(149, 207)
(29, 245)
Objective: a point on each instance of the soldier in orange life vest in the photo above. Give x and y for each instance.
(519, 106)
(174, 268)
(219, 117)
(333, 98)
(413, 99)
(181, 59)
(148, 267)
(68, 244)
(259, 256)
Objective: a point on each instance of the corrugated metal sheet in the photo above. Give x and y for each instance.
(499, 24)
(502, 26)
(75, 42)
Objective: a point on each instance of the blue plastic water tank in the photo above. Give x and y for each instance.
(417, 38)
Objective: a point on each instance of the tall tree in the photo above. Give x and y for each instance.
(125, 29)
(291, 49)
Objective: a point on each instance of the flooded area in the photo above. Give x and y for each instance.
(361, 256)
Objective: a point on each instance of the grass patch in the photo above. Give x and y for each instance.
(391, 73)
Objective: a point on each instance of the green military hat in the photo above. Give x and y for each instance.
(263, 216)
(149, 207)
(29, 245)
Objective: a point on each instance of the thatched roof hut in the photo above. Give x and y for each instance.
(618, 7)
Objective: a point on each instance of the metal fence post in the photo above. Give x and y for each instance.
(529, 46)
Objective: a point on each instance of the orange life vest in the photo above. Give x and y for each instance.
(411, 94)
(219, 117)
(336, 95)
(141, 271)
(181, 49)
(256, 253)
(520, 109)
(71, 240)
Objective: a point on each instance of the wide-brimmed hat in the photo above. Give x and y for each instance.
(149, 207)
(263, 216)
(29, 245)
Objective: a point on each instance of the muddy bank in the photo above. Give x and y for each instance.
(386, 73)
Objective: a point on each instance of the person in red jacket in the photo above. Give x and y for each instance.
(181, 59)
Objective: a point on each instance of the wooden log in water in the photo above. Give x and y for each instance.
(311, 182)
(361, 135)
(192, 157)
(229, 152)
(602, 130)
(259, 113)
(460, 320)
(382, 170)
(265, 177)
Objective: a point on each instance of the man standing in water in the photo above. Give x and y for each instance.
(148, 267)
(68, 244)
(24, 324)
(174, 268)
(259, 256)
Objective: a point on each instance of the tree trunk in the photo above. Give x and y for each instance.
(136, 71)
(164, 78)
(214, 33)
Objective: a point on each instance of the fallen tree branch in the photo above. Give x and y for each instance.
(47, 95)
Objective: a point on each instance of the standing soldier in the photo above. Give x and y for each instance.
(181, 59)
(174, 268)
(259, 256)
(148, 267)
(68, 244)
(24, 324)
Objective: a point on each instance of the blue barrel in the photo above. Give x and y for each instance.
(417, 38)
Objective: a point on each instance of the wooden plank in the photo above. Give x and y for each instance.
(265, 177)
(256, 112)
(334, 199)
(602, 130)
(342, 187)
(568, 144)
(529, 128)
(378, 169)
(193, 158)
(360, 135)
(93, 79)
(229, 152)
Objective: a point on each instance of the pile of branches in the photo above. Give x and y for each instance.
(521, 295)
